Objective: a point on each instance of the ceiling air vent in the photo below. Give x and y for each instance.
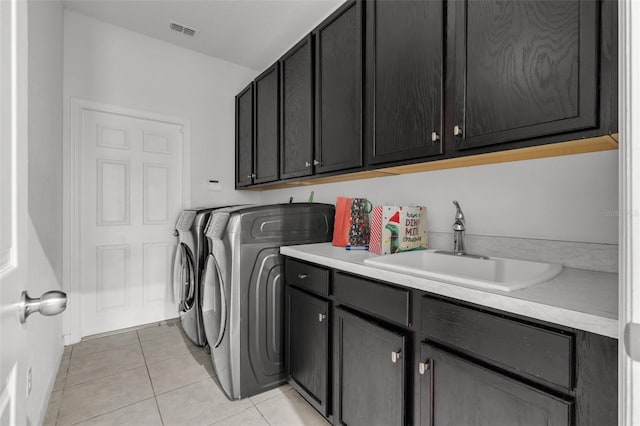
(182, 29)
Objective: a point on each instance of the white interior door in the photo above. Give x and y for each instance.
(629, 306)
(130, 199)
(13, 210)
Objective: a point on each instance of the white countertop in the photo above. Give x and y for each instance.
(577, 298)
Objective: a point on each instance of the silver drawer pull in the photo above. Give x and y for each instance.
(424, 367)
(307, 164)
(457, 131)
(321, 317)
(395, 356)
(434, 136)
(302, 276)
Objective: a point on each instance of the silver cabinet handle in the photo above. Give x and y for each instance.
(307, 164)
(249, 176)
(321, 317)
(457, 131)
(50, 303)
(395, 356)
(423, 367)
(302, 276)
(434, 136)
(316, 163)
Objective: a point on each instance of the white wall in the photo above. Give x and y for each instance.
(109, 64)
(569, 198)
(44, 334)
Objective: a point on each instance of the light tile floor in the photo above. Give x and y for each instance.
(156, 376)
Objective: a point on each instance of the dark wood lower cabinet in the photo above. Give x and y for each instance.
(364, 352)
(369, 372)
(455, 391)
(308, 346)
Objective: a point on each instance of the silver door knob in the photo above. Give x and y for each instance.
(395, 356)
(321, 317)
(423, 367)
(302, 276)
(434, 137)
(307, 164)
(457, 131)
(249, 176)
(50, 303)
(316, 163)
(176, 233)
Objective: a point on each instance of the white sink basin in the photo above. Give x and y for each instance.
(494, 273)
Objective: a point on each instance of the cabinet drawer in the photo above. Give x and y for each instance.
(309, 277)
(378, 299)
(534, 352)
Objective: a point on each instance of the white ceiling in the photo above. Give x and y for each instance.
(253, 33)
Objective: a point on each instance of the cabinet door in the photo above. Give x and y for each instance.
(266, 125)
(308, 346)
(369, 372)
(296, 101)
(244, 137)
(338, 48)
(454, 391)
(523, 69)
(404, 79)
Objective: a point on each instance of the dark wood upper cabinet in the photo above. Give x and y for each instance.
(296, 117)
(369, 372)
(385, 83)
(454, 391)
(244, 137)
(523, 69)
(404, 87)
(338, 94)
(266, 126)
(308, 346)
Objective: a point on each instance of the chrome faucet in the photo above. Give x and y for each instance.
(458, 232)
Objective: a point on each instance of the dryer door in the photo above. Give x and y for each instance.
(214, 302)
(184, 278)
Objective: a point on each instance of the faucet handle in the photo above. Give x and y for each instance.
(459, 214)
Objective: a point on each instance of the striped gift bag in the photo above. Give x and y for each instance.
(375, 241)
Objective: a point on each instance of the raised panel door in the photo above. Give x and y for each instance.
(131, 197)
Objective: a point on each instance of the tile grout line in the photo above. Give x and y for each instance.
(155, 396)
(260, 412)
(95, 379)
(101, 378)
(64, 385)
(111, 411)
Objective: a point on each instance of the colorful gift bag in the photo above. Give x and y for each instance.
(395, 229)
(351, 225)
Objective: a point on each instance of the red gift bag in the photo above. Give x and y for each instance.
(351, 225)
